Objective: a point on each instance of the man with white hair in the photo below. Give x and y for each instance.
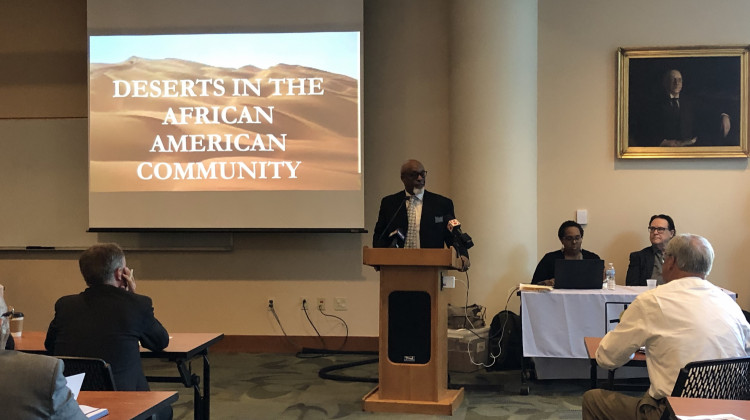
(686, 319)
(32, 386)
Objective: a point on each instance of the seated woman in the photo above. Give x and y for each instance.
(571, 237)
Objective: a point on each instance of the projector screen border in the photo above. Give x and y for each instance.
(217, 230)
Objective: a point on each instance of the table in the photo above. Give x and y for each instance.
(182, 348)
(555, 323)
(592, 343)
(700, 406)
(127, 405)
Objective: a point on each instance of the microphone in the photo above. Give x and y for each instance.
(385, 229)
(398, 239)
(459, 238)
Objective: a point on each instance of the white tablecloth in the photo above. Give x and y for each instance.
(554, 323)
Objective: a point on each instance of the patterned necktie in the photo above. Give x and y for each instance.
(411, 232)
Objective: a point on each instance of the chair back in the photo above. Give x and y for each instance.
(612, 311)
(98, 372)
(727, 379)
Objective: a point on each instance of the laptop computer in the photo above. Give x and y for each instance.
(579, 274)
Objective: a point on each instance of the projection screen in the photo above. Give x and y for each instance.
(225, 115)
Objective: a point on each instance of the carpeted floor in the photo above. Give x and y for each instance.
(279, 386)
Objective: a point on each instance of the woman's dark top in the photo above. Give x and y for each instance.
(545, 270)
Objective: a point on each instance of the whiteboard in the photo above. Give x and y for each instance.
(44, 191)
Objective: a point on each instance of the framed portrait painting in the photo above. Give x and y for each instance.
(682, 102)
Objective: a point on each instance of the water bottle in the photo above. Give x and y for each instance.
(610, 275)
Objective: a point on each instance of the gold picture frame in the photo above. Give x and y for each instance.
(660, 115)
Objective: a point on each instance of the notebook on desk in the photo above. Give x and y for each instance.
(579, 274)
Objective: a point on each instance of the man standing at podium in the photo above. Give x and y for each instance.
(415, 218)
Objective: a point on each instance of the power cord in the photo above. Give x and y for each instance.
(278, 321)
(346, 326)
(490, 338)
(323, 351)
(307, 315)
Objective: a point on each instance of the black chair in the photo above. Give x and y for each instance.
(727, 379)
(98, 372)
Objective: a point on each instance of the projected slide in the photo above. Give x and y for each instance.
(225, 112)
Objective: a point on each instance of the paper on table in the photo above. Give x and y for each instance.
(74, 383)
(94, 413)
(534, 287)
(711, 417)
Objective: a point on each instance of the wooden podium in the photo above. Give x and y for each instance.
(413, 384)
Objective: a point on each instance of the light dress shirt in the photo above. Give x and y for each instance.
(685, 320)
(418, 209)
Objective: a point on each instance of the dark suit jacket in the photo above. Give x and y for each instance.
(660, 120)
(33, 387)
(107, 322)
(641, 267)
(433, 226)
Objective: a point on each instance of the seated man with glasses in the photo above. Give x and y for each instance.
(415, 218)
(646, 263)
(570, 234)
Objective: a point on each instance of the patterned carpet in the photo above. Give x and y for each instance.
(278, 386)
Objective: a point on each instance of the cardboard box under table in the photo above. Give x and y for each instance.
(467, 345)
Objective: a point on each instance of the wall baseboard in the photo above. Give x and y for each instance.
(291, 344)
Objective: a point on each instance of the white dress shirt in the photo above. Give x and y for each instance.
(682, 321)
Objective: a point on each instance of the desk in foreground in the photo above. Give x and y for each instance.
(181, 349)
(678, 406)
(592, 343)
(128, 405)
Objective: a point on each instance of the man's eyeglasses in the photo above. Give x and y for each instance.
(576, 238)
(9, 313)
(415, 174)
(659, 229)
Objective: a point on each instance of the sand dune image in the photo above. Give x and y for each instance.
(135, 145)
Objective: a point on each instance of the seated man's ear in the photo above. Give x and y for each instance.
(119, 276)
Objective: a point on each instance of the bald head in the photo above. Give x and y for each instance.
(413, 176)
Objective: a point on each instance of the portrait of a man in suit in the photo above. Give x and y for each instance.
(684, 102)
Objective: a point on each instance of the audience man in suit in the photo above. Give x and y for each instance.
(32, 386)
(429, 213)
(684, 320)
(108, 319)
(646, 263)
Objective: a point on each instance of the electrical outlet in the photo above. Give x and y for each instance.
(304, 303)
(339, 304)
(270, 303)
(321, 304)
